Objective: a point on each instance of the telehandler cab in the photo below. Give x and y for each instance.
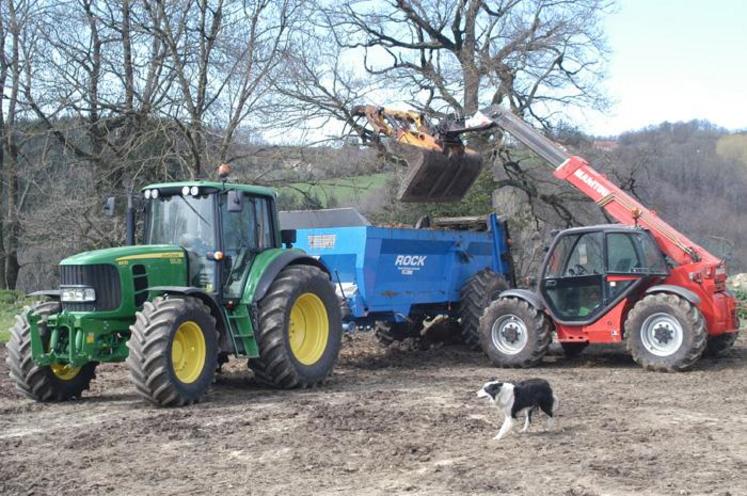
(209, 280)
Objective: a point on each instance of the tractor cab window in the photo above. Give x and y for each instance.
(245, 234)
(573, 280)
(187, 221)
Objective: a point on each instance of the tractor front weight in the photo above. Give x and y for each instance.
(76, 339)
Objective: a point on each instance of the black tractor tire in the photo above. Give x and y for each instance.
(389, 333)
(165, 326)
(476, 294)
(278, 364)
(514, 317)
(42, 383)
(572, 350)
(717, 346)
(669, 315)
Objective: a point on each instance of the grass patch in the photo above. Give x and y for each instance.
(11, 302)
(332, 192)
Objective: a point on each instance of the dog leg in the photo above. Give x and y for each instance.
(528, 418)
(553, 410)
(507, 424)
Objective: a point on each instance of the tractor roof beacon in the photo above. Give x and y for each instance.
(640, 282)
(213, 276)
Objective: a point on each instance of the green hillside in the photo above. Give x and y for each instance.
(333, 192)
(11, 302)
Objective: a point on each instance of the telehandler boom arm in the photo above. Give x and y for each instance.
(577, 171)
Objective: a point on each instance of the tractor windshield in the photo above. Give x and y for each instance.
(187, 221)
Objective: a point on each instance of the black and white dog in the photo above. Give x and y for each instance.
(523, 397)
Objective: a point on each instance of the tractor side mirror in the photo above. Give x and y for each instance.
(235, 201)
(109, 207)
(288, 237)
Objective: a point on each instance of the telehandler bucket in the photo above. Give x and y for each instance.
(435, 175)
(440, 168)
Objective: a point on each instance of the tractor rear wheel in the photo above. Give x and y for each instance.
(173, 351)
(299, 332)
(476, 294)
(57, 382)
(514, 334)
(718, 345)
(665, 332)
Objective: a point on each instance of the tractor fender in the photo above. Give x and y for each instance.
(286, 258)
(198, 293)
(678, 290)
(524, 294)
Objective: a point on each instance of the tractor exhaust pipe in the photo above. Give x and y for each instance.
(130, 221)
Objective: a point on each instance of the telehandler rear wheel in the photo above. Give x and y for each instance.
(58, 382)
(300, 331)
(665, 332)
(476, 294)
(514, 334)
(173, 351)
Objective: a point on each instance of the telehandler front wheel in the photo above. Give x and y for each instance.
(173, 351)
(58, 382)
(514, 334)
(665, 332)
(299, 331)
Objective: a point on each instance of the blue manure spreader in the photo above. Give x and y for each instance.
(402, 280)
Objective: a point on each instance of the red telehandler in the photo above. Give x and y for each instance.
(640, 281)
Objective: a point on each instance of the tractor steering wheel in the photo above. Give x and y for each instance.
(580, 270)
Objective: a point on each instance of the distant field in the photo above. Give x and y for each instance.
(344, 190)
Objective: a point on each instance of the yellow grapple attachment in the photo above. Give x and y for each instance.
(438, 170)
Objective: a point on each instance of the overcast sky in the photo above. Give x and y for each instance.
(675, 60)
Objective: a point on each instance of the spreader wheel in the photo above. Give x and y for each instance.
(476, 294)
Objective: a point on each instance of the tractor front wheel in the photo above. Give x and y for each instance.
(58, 382)
(665, 332)
(173, 351)
(299, 332)
(514, 334)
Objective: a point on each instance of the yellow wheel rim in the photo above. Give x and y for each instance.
(64, 371)
(188, 351)
(308, 329)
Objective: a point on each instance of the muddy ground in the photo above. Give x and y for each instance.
(392, 422)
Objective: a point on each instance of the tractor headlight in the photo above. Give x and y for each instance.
(146, 194)
(78, 295)
(194, 191)
(185, 191)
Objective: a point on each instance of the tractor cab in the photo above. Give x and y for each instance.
(588, 270)
(212, 222)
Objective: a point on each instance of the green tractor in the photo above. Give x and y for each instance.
(211, 279)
